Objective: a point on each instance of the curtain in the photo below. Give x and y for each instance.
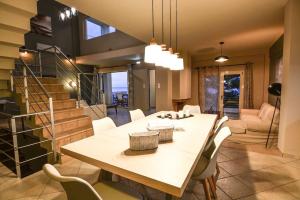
(208, 94)
(248, 86)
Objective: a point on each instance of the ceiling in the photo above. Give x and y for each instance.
(202, 24)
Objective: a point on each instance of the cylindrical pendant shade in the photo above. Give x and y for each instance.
(152, 53)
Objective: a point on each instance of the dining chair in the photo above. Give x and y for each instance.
(208, 145)
(136, 114)
(206, 166)
(194, 109)
(103, 124)
(78, 189)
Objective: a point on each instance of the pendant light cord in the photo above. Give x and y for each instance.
(162, 21)
(176, 27)
(170, 25)
(152, 19)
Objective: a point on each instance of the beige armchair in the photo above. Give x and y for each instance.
(260, 120)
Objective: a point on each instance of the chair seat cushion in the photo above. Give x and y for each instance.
(112, 191)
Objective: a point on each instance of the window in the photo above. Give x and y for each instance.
(95, 29)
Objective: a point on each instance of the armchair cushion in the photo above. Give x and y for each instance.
(250, 112)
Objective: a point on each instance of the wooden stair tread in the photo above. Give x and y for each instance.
(61, 121)
(58, 100)
(66, 109)
(73, 132)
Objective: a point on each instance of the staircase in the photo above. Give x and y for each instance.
(70, 122)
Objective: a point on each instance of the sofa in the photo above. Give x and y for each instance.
(258, 120)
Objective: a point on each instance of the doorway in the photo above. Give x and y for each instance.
(231, 93)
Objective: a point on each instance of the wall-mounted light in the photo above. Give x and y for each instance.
(138, 62)
(68, 13)
(72, 84)
(62, 16)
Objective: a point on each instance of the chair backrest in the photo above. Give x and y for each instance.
(76, 188)
(100, 125)
(136, 114)
(216, 130)
(194, 109)
(211, 155)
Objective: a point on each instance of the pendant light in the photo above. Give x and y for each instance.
(152, 51)
(221, 58)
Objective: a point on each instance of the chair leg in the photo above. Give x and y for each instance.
(217, 174)
(206, 189)
(212, 186)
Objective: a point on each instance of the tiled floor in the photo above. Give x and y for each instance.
(245, 175)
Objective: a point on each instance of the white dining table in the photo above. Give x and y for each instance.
(168, 168)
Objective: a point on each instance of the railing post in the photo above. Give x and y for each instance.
(78, 89)
(26, 89)
(16, 147)
(52, 128)
(11, 81)
(56, 74)
(40, 64)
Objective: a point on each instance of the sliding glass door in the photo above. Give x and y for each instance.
(231, 93)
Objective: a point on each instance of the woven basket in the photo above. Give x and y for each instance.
(143, 140)
(165, 135)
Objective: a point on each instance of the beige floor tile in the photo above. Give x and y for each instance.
(277, 194)
(282, 174)
(222, 158)
(28, 198)
(52, 187)
(69, 168)
(234, 153)
(255, 181)
(223, 173)
(222, 195)
(295, 164)
(240, 166)
(29, 186)
(89, 173)
(54, 196)
(189, 196)
(253, 197)
(293, 188)
(234, 188)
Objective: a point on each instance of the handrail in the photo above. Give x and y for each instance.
(81, 72)
(6, 114)
(36, 79)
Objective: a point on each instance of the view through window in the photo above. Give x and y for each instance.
(119, 85)
(94, 29)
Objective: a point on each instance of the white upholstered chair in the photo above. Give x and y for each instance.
(136, 114)
(194, 109)
(103, 124)
(78, 189)
(207, 163)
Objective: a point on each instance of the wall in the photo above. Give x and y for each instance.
(108, 42)
(181, 80)
(65, 34)
(141, 89)
(163, 89)
(289, 127)
(276, 65)
(152, 88)
(260, 60)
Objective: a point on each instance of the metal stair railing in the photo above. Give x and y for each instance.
(70, 72)
(20, 79)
